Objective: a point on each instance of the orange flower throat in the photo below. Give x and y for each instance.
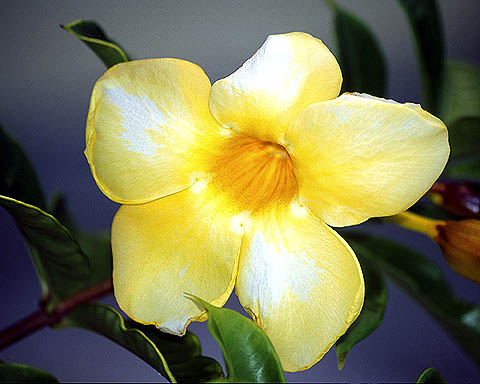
(255, 174)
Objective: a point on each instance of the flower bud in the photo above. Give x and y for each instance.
(460, 242)
(459, 197)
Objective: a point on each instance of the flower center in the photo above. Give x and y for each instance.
(255, 174)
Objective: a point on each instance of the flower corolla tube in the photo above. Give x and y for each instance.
(237, 185)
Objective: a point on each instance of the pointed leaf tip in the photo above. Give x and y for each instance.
(248, 353)
(95, 38)
(17, 176)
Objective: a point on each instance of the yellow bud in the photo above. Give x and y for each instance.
(460, 242)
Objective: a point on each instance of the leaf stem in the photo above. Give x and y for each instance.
(42, 318)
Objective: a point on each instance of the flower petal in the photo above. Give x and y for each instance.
(302, 284)
(288, 73)
(358, 157)
(147, 123)
(181, 243)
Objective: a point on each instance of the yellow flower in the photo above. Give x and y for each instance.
(236, 184)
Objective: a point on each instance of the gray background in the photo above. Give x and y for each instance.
(46, 78)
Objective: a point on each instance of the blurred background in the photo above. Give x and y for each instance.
(46, 79)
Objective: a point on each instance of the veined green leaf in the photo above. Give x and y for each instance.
(19, 373)
(176, 358)
(17, 177)
(95, 38)
(460, 93)
(62, 266)
(248, 353)
(372, 313)
(359, 54)
(426, 24)
(424, 281)
(431, 376)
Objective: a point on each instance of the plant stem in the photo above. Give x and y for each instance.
(42, 318)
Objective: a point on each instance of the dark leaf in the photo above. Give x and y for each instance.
(460, 96)
(464, 136)
(424, 281)
(174, 357)
(17, 177)
(465, 146)
(372, 313)
(97, 248)
(95, 245)
(460, 110)
(95, 38)
(19, 373)
(465, 168)
(426, 24)
(359, 54)
(249, 355)
(58, 207)
(62, 267)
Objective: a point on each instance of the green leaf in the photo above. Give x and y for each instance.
(359, 54)
(424, 18)
(248, 352)
(464, 168)
(464, 136)
(431, 375)
(17, 177)
(95, 245)
(19, 373)
(176, 358)
(372, 313)
(424, 281)
(465, 149)
(57, 207)
(460, 96)
(95, 38)
(460, 109)
(62, 266)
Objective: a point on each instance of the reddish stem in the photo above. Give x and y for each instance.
(42, 318)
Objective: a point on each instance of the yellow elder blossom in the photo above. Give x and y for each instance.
(236, 184)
